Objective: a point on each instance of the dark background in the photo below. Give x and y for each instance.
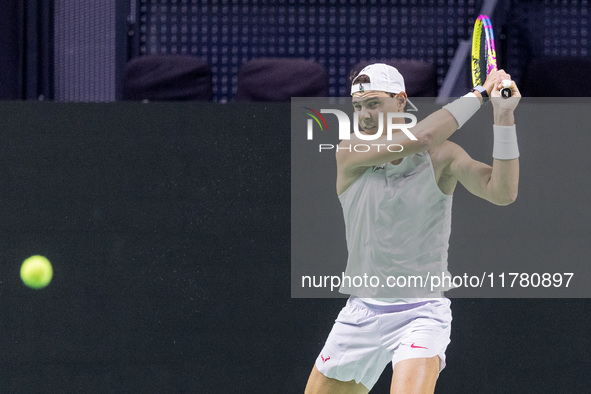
(168, 226)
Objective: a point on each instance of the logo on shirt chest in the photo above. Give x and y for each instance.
(397, 175)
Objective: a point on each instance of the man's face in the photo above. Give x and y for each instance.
(371, 105)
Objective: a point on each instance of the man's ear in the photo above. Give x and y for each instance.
(401, 99)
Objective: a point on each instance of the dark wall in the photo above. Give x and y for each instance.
(11, 47)
(169, 229)
(167, 254)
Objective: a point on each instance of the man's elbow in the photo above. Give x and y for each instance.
(424, 142)
(505, 198)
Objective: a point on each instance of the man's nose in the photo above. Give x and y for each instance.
(364, 113)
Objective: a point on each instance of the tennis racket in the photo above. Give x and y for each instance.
(484, 56)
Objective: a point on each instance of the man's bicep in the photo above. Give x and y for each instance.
(472, 174)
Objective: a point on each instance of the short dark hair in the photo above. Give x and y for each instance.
(362, 78)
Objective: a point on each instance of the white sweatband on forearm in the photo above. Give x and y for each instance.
(463, 108)
(505, 143)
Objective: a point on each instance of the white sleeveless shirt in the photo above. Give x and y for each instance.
(398, 223)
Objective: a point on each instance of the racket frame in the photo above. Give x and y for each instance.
(483, 26)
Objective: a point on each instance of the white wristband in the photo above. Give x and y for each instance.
(505, 143)
(463, 108)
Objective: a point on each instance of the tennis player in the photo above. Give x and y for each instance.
(397, 211)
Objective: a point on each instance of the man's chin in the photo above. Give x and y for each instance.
(369, 130)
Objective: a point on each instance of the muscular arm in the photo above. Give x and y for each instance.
(499, 183)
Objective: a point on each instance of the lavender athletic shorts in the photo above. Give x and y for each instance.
(366, 337)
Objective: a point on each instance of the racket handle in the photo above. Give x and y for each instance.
(506, 91)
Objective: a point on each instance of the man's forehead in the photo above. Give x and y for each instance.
(360, 97)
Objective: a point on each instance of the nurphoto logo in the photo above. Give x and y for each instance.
(345, 129)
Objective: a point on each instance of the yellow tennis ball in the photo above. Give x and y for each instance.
(36, 272)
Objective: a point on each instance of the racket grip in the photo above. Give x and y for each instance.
(506, 90)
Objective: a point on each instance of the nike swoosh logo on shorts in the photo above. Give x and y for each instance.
(418, 347)
(410, 174)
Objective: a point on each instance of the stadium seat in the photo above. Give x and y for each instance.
(279, 79)
(167, 78)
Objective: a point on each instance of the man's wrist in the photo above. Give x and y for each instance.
(505, 142)
(504, 118)
(481, 93)
(463, 108)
